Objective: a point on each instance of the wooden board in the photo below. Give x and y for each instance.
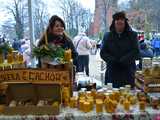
(35, 75)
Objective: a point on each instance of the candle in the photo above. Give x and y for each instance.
(126, 105)
(1, 108)
(127, 88)
(142, 106)
(10, 58)
(81, 104)
(81, 94)
(16, 58)
(99, 105)
(20, 58)
(55, 104)
(116, 94)
(86, 106)
(1, 59)
(65, 96)
(93, 93)
(68, 55)
(73, 102)
(110, 105)
(122, 90)
(133, 100)
(155, 102)
(91, 101)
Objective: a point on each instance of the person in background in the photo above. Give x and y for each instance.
(145, 51)
(26, 51)
(16, 45)
(156, 46)
(55, 33)
(119, 50)
(83, 45)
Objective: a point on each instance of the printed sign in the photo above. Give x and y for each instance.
(35, 75)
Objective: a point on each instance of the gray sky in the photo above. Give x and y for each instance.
(52, 7)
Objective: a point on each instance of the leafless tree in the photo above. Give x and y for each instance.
(40, 17)
(75, 16)
(17, 8)
(151, 10)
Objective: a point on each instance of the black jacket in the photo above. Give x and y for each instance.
(120, 51)
(120, 48)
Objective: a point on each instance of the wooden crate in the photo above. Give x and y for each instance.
(33, 93)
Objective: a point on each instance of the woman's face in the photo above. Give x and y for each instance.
(120, 25)
(58, 28)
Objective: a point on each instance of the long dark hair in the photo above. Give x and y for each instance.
(49, 28)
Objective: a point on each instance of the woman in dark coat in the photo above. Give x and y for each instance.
(120, 50)
(55, 34)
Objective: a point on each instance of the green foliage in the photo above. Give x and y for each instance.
(49, 51)
(100, 35)
(4, 47)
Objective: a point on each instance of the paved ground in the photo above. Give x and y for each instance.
(94, 65)
(94, 70)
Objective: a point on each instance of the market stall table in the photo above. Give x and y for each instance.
(74, 114)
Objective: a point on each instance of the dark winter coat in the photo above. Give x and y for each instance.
(120, 51)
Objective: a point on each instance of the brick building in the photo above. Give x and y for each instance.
(102, 16)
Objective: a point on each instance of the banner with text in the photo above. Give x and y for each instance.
(35, 75)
